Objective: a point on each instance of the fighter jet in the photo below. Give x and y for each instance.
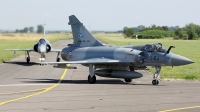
(42, 46)
(112, 61)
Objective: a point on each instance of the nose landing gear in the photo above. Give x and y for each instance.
(42, 58)
(156, 75)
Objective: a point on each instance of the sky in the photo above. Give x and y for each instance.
(104, 15)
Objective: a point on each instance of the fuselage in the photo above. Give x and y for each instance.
(130, 55)
(42, 46)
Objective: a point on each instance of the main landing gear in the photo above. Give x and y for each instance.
(58, 59)
(131, 68)
(91, 76)
(156, 75)
(27, 57)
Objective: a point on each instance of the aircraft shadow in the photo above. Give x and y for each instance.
(21, 63)
(99, 81)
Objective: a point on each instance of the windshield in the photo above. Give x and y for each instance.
(155, 47)
(42, 41)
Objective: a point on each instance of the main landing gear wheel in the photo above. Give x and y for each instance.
(27, 56)
(27, 60)
(91, 80)
(58, 60)
(128, 80)
(155, 82)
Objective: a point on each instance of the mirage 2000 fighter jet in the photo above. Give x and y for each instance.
(115, 62)
(42, 46)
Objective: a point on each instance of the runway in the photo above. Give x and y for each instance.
(35, 88)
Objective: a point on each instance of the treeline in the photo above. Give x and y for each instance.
(25, 30)
(189, 31)
(40, 29)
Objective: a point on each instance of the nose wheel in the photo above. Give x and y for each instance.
(42, 59)
(155, 82)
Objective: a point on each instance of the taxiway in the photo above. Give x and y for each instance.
(35, 88)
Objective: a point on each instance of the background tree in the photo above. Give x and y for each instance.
(165, 28)
(179, 33)
(40, 29)
(191, 31)
(31, 29)
(128, 32)
(125, 28)
(25, 30)
(141, 27)
(16, 31)
(153, 26)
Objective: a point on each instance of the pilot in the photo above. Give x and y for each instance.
(158, 47)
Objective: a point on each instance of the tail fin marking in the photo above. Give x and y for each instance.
(81, 35)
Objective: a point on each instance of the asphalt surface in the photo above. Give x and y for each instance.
(34, 88)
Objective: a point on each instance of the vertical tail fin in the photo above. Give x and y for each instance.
(44, 36)
(81, 35)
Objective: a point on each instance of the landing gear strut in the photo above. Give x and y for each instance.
(156, 75)
(58, 59)
(131, 68)
(27, 57)
(42, 58)
(91, 76)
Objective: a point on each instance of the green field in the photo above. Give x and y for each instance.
(187, 48)
(8, 41)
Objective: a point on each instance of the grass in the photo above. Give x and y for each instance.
(186, 48)
(9, 41)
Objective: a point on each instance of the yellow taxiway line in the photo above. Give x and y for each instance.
(43, 90)
(177, 109)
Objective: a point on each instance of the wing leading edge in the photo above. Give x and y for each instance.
(55, 50)
(19, 49)
(90, 61)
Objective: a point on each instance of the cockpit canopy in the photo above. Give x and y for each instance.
(42, 41)
(157, 47)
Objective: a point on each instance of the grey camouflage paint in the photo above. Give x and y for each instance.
(86, 47)
(118, 62)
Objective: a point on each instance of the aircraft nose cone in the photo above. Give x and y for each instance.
(177, 60)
